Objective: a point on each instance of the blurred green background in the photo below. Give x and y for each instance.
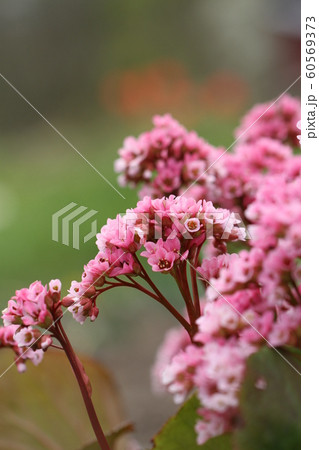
(98, 71)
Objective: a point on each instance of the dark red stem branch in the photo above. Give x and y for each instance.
(162, 299)
(182, 283)
(193, 272)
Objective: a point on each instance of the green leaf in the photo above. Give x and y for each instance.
(179, 433)
(43, 407)
(271, 415)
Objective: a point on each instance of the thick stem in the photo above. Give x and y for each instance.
(193, 272)
(195, 291)
(182, 283)
(162, 299)
(67, 347)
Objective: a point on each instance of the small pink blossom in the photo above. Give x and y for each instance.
(20, 344)
(31, 306)
(159, 257)
(192, 225)
(26, 336)
(179, 375)
(273, 119)
(174, 155)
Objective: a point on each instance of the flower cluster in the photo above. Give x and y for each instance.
(277, 120)
(21, 343)
(197, 198)
(167, 159)
(253, 298)
(171, 160)
(233, 326)
(247, 168)
(169, 230)
(30, 310)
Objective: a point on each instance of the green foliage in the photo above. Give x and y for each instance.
(43, 407)
(271, 415)
(179, 433)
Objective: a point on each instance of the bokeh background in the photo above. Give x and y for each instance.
(98, 71)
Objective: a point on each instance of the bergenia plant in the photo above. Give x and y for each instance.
(194, 202)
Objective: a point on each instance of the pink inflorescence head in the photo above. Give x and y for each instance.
(30, 310)
(275, 119)
(252, 298)
(167, 230)
(167, 159)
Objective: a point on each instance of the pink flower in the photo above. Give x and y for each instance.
(210, 267)
(192, 225)
(284, 329)
(30, 306)
(221, 402)
(175, 156)
(26, 336)
(161, 256)
(178, 376)
(175, 340)
(45, 342)
(211, 425)
(168, 227)
(7, 335)
(119, 233)
(82, 308)
(276, 120)
(265, 155)
(35, 356)
(299, 128)
(30, 309)
(20, 341)
(55, 287)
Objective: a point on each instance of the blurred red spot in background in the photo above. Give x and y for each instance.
(224, 93)
(157, 87)
(166, 86)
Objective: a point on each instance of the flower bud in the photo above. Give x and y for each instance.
(67, 301)
(99, 282)
(45, 342)
(94, 313)
(90, 291)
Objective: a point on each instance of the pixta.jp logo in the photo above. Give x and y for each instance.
(71, 220)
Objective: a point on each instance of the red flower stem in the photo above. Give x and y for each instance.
(181, 280)
(56, 346)
(162, 299)
(195, 291)
(100, 291)
(193, 273)
(164, 302)
(185, 282)
(67, 347)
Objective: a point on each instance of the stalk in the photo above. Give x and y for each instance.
(161, 298)
(67, 347)
(193, 272)
(182, 283)
(195, 291)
